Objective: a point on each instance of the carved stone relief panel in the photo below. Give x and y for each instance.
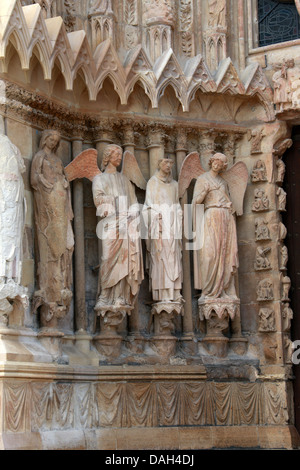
(259, 172)
(266, 320)
(261, 229)
(265, 290)
(261, 201)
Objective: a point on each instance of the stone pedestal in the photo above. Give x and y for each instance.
(109, 341)
(51, 340)
(163, 315)
(216, 313)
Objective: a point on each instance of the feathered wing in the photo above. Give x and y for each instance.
(131, 169)
(83, 166)
(237, 179)
(191, 169)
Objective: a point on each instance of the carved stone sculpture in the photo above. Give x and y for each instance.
(101, 6)
(283, 257)
(265, 290)
(121, 269)
(261, 201)
(54, 234)
(266, 320)
(121, 265)
(255, 137)
(259, 172)
(282, 231)
(286, 285)
(164, 216)
(280, 170)
(281, 199)
(261, 229)
(164, 220)
(12, 219)
(217, 199)
(287, 316)
(217, 13)
(280, 87)
(261, 261)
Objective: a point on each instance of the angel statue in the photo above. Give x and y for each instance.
(221, 193)
(121, 265)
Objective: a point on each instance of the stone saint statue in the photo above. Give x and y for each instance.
(55, 240)
(12, 220)
(121, 267)
(164, 217)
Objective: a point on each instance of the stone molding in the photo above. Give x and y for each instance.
(26, 28)
(29, 406)
(41, 112)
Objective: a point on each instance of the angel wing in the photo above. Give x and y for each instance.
(131, 169)
(83, 166)
(191, 168)
(237, 179)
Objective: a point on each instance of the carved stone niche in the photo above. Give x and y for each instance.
(164, 314)
(217, 313)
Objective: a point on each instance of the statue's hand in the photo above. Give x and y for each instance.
(46, 185)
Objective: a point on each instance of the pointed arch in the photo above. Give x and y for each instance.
(85, 72)
(176, 87)
(17, 39)
(146, 84)
(118, 85)
(40, 52)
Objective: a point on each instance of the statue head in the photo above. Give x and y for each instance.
(51, 138)
(165, 165)
(111, 153)
(219, 157)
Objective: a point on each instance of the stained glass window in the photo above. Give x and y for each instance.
(278, 22)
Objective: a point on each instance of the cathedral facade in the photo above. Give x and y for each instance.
(148, 224)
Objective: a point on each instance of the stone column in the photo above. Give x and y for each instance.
(207, 146)
(135, 339)
(104, 138)
(128, 143)
(187, 322)
(82, 339)
(155, 148)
